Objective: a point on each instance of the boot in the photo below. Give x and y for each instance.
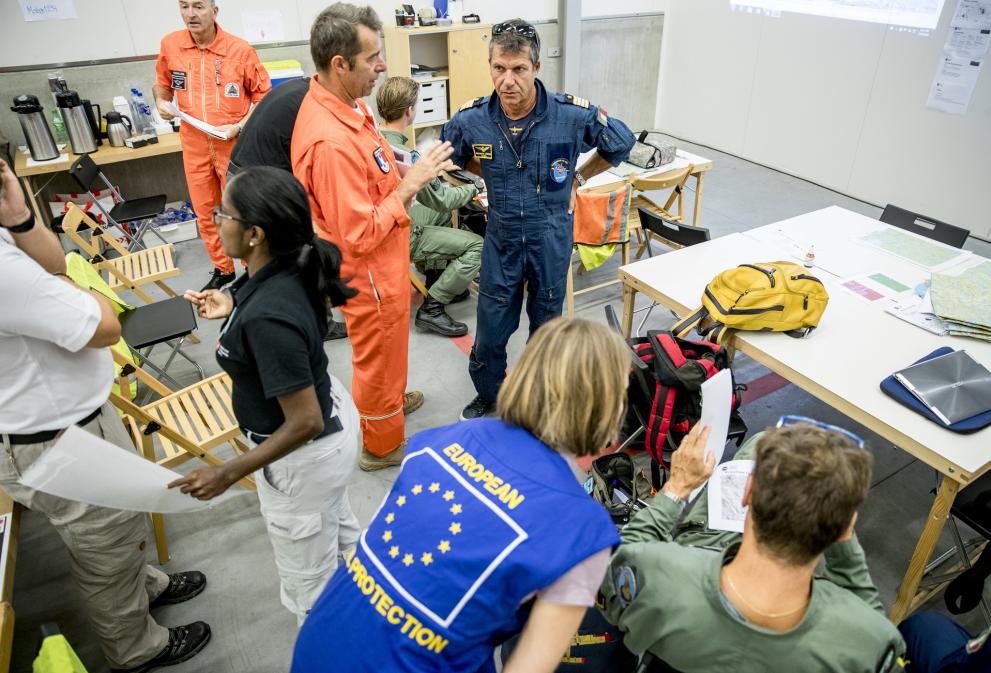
(434, 318)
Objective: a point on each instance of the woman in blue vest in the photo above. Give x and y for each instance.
(487, 529)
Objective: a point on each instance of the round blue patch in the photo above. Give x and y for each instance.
(380, 159)
(559, 170)
(626, 585)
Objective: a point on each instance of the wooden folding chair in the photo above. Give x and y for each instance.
(673, 209)
(127, 270)
(189, 423)
(417, 284)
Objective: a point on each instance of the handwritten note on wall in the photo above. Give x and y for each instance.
(48, 10)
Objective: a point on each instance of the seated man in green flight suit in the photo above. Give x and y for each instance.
(710, 600)
(433, 243)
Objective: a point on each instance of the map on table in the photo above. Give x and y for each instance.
(915, 249)
(964, 298)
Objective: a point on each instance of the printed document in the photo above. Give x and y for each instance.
(208, 129)
(83, 467)
(725, 495)
(717, 402)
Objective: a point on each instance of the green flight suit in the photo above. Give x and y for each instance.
(674, 608)
(433, 242)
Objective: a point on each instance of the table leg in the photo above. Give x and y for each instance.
(940, 510)
(629, 296)
(569, 293)
(28, 186)
(697, 211)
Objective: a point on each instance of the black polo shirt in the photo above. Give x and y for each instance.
(266, 137)
(271, 345)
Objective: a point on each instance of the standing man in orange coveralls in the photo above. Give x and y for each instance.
(359, 203)
(217, 78)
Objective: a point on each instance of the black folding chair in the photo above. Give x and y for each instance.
(169, 321)
(86, 173)
(672, 234)
(924, 226)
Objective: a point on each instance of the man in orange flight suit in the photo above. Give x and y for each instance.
(359, 202)
(217, 78)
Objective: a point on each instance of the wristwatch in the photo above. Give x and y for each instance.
(672, 496)
(25, 226)
(580, 178)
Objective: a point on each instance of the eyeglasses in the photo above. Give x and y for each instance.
(792, 420)
(218, 215)
(521, 29)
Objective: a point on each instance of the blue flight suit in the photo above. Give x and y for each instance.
(529, 235)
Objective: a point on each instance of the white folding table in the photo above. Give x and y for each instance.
(835, 363)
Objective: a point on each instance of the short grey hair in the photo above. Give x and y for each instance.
(335, 33)
(514, 43)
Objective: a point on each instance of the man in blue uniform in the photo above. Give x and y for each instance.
(525, 142)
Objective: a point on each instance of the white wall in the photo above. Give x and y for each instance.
(838, 102)
(123, 28)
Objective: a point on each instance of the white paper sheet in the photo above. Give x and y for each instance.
(953, 84)
(83, 467)
(208, 129)
(264, 25)
(48, 10)
(725, 495)
(963, 55)
(882, 289)
(717, 401)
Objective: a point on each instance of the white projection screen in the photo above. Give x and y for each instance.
(920, 14)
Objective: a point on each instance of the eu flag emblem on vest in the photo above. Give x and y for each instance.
(437, 536)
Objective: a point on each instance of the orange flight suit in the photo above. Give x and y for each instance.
(350, 175)
(218, 85)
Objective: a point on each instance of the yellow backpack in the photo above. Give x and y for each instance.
(758, 297)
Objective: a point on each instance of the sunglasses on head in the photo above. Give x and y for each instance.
(793, 420)
(522, 29)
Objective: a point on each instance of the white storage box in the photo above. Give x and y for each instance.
(432, 103)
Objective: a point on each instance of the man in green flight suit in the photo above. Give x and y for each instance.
(710, 600)
(433, 242)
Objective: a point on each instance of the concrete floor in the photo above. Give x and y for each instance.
(252, 632)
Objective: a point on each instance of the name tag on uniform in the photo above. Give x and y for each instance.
(232, 90)
(482, 151)
(179, 80)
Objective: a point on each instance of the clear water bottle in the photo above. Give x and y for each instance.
(58, 128)
(141, 113)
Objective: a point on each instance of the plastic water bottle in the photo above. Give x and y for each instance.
(141, 113)
(58, 128)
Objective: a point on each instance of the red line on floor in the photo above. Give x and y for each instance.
(765, 385)
(464, 343)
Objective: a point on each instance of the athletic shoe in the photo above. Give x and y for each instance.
(185, 642)
(218, 280)
(477, 408)
(182, 586)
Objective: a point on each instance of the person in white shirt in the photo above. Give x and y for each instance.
(56, 371)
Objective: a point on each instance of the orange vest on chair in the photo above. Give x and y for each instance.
(600, 218)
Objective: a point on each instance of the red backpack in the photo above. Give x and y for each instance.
(666, 396)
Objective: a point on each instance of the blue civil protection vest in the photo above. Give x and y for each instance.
(481, 516)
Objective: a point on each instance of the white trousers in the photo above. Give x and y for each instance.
(304, 501)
